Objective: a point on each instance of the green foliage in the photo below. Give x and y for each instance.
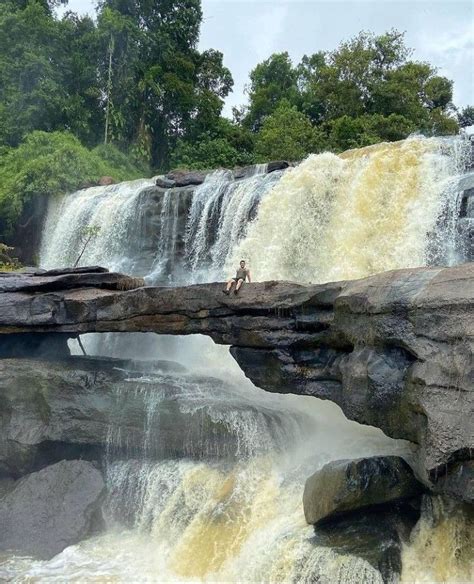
(7, 262)
(466, 117)
(270, 82)
(48, 73)
(365, 91)
(138, 66)
(163, 89)
(52, 164)
(288, 134)
(227, 145)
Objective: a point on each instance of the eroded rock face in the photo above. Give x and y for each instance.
(92, 407)
(49, 510)
(394, 350)
(344, 486)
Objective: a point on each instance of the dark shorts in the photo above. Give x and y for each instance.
(237, 279)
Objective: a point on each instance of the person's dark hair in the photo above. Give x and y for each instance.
(242, 261)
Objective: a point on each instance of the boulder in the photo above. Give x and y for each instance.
(343, 486)
(106, 181)
(458, 483)
(185, 178)
(52, 509)
(277, 165)
(376, 535)
(164, 183)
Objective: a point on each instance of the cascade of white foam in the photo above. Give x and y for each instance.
(219, 216)
(220, 212)
(388, 206)
(114, 210)
(222, 520)
(166, 257)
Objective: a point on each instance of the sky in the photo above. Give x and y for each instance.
(249, 31)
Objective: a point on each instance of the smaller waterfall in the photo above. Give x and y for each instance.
(166, 256)
(176, 236)
(115, 210)
(220, 214)
(217, 519)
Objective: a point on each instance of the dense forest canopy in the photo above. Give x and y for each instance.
(134, 83)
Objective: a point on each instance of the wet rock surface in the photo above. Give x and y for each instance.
(343, 486)
(374, 535)
(394, 350)
(90, 407)
(49, 510)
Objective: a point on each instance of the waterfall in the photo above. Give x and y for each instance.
(441, 544)
(141, 230)
(212, 491)
(219, 216)
(221, 518)
(115, 210)
(335, 217)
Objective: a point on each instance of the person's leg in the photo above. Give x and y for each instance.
(238, 285)
(230, 283)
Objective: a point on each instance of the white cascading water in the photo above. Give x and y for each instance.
(229, 507)
(366, 211)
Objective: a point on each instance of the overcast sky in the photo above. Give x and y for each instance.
(249, 31)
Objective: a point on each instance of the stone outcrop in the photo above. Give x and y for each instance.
(79, 407)
(394, 350)
(343, 486)
(47, 511)
(376, 535)
(106, 181)
(192, 178)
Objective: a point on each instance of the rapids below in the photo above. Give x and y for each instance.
(236, 517)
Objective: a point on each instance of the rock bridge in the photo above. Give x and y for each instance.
(394, 350)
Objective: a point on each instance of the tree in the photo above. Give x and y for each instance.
(286, 134)
(168, 90)
(466, 117)
(226, 145)
(86, 236)
(366, 90)
(48, 72)
(48, 5)
(346, 132)
(52, 163)
(270, 82)
(32, 95)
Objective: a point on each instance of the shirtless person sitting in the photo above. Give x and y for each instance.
(240, 277)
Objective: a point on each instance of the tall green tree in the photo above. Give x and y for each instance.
(48, 73)
(167, 90)
(288, 134)
(270, 82)
(466, 116)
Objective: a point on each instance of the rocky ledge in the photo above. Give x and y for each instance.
(394, 350)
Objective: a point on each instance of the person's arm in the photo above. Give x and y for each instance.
(248, 276)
